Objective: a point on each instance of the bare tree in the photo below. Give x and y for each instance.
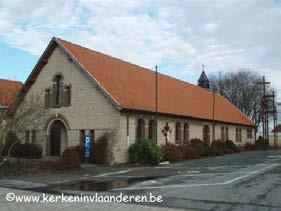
(29, 115)
(241, 88)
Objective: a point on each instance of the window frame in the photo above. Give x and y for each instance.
(140, 129)
(178, 132)
(186, 135)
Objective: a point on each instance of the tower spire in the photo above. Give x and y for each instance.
(203, 80)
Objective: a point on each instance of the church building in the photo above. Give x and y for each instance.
(80, 91)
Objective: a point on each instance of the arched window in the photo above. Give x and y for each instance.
(238, 135)
(67, 95)
(222, 134)
(140, 129)
(226, 133)
(178, 132)
(59, 84)
(186, 132)
(47, 98)
(57, 90)
(206, 134)
(152, 130)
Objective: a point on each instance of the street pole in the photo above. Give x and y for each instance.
(214, 129)
(156, 103)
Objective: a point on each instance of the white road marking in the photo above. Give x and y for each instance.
(107, 174)
(211, 174)
(274, 156)
(218, 167)
(122, 176)
(214, 167)
(202, 184)
(192, 172)
(247, 175)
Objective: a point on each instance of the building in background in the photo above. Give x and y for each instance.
(8, 90)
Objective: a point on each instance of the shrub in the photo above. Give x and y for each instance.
(145, 151)
(223, 147)
(232, 146)
(190, 152)
(98, 150)
(26, 150)
(261, 143)
(172, 152)
(218, 151)
(209, 151)
(71, 159)
(202, 147)
(35, 166)
(249, 146)
(241, 148)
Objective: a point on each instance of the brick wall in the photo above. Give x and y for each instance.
(89, 109)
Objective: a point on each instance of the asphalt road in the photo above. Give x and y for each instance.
(245, 181)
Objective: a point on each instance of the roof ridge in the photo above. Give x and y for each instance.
(141, 67)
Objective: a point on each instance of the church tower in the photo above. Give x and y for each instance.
(203, 81)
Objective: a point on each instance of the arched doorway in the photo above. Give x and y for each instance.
(206, 134)
(58, 138)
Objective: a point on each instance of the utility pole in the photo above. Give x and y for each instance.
(274, 119)
(156, 103)
(214, 123)
(268, 111)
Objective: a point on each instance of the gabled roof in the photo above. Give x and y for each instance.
(133, 87)
(8, 90)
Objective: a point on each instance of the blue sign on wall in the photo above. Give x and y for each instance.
(87, 146)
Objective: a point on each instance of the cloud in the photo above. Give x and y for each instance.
(184, 34)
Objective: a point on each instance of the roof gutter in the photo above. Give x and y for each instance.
(128, 110)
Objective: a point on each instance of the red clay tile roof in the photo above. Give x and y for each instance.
(8, 89)
(133, 87)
